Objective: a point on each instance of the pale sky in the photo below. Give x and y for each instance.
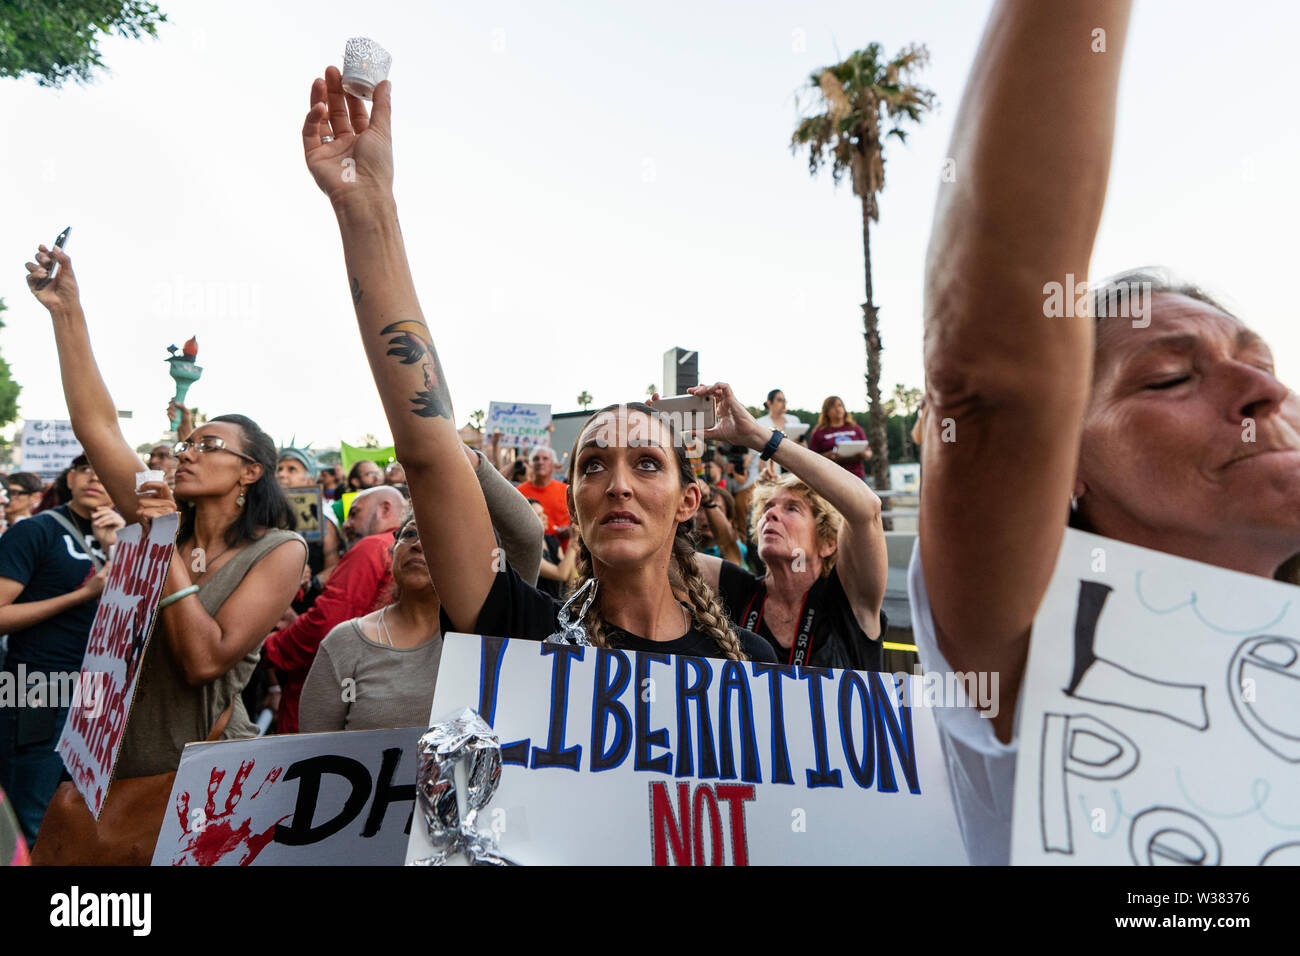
(581, 187)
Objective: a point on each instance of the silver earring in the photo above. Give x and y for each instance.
(1074, 502)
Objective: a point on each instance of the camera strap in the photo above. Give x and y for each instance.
(77, 536)
(801, 648)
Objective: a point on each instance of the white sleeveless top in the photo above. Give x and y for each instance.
(981, 769)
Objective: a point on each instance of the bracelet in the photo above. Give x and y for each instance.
(173, 598)
(273, 690)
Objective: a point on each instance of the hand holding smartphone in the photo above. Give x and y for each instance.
(697, 410)
(54, 269)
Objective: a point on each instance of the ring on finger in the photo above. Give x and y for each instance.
(327, 139)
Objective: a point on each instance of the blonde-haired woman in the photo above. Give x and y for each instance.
(632, 493)
(818, 532)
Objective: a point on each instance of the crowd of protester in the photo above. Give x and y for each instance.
(761, 545)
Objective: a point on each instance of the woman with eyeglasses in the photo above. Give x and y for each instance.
(234, 571)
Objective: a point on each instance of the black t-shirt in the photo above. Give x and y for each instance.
(551, 552)
(40, 554)
(513, 609)
(837, 638)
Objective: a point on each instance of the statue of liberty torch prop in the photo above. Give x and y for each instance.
(184, 372)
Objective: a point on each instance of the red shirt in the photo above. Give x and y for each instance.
(824, 439)
(554, 499)
(361, 582)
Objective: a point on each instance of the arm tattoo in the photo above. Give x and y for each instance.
(356, 291)
(411, 343)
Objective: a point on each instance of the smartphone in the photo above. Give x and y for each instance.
(54, 270)
(689, 411)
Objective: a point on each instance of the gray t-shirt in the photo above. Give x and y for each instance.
(357, 684)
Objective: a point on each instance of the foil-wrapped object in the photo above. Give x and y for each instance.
(467, 743)
(571, 630)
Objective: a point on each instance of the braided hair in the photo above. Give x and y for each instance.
(684, 576)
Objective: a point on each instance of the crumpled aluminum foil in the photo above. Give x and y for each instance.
(572, 631)
(464, 739)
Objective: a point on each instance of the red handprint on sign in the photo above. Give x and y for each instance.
(210, 837)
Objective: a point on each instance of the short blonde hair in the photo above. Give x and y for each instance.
(826, 519)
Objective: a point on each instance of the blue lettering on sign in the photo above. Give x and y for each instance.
(698, 691)
(823, 775)
(860, 701)
(780, 753)
(645, 737)
(605, 706)
(494, 651)
(554, 754)
(735, 682)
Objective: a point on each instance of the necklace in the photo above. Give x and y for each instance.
(383, 627)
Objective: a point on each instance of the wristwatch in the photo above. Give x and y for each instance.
(772, 444)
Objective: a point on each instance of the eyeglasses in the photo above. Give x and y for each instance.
(18, 493)
(85, 470)
(206, 444)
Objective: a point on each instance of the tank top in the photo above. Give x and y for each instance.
(167, 712)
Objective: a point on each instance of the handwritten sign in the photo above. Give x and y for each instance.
(48, 447)
(302, 799)
(643, 758)
(1160, 722)
(522, 426)
(119, 636)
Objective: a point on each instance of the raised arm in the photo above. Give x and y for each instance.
(512, 517)
(724, 535)
(1005, 382)
(91, 408)
(861, 556)
(355, 170)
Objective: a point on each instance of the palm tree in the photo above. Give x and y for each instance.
(859, 97)
(584, 399)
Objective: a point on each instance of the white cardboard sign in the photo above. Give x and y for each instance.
(303, 799)
(48, 446)
(1161, 714)
(110, 669)
(635, 758)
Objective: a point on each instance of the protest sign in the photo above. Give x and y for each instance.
(304, 799)
(349, 455)
(522, 426)
(642, 758)
(118, 640)
(308, 506)
(1160, 715)
(48, 447)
